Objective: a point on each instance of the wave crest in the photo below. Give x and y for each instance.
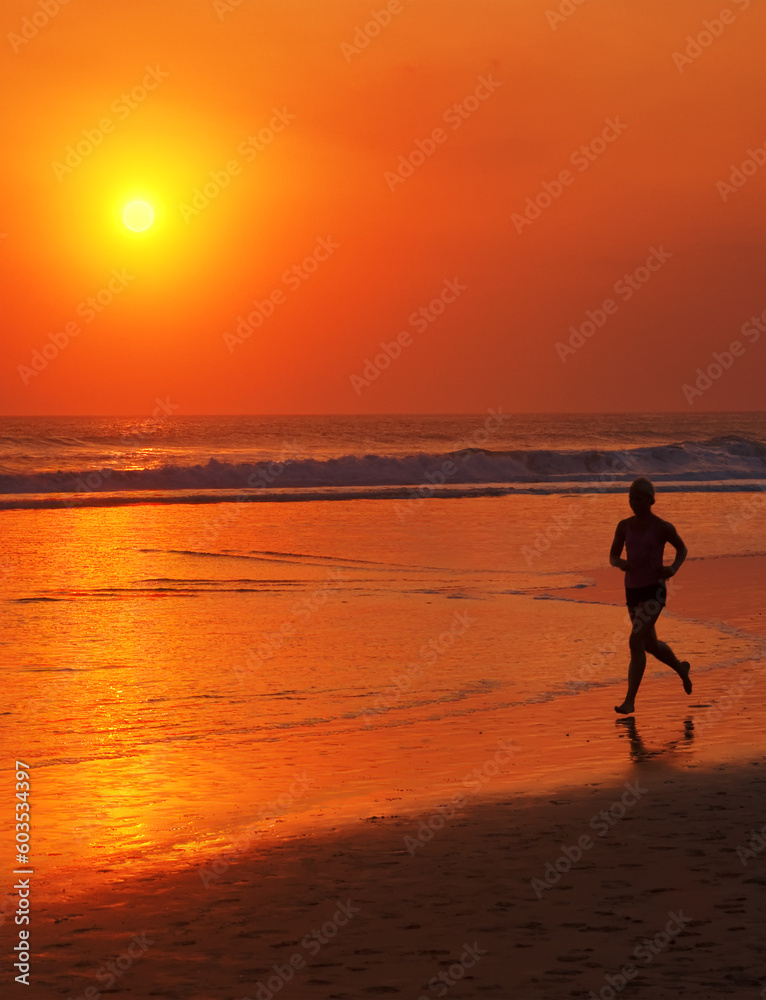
(719, 459)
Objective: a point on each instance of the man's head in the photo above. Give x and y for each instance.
(641, 495)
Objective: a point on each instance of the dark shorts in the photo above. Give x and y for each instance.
(652, 592)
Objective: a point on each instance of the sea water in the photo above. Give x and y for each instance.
(176, 671)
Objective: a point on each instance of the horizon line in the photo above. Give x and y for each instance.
(461, 413)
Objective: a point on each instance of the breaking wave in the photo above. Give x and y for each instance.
(719, 460)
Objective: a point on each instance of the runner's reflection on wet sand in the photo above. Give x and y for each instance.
(640, 753)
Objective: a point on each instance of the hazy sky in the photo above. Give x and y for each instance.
(462, 180)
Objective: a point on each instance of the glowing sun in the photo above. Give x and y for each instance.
(138, 215)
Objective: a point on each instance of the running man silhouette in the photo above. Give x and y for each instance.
(644, 536)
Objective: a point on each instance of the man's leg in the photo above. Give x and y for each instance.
(643, 625)
(662, 652)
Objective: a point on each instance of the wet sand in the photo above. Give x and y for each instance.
(389, 919)
(728, 589)
(657, 807)
(534, 858)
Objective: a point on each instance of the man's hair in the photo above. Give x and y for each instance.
(642, 487)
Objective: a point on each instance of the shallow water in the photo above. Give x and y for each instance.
(175, 675)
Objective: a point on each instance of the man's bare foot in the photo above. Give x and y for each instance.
(684, 675)
(625, 708)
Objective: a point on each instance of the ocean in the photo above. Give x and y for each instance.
(181, 664)
(48, 461)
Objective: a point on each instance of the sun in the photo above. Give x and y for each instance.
(138, 215)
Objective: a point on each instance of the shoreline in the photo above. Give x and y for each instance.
(413, 493)
(646, 816)
(569, 741)
(728, 589)
(641, 817)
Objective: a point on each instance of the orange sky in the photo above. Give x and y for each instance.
(202, 77)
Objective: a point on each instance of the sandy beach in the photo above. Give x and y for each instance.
(362, 912)
(558, 852)
(286, 829)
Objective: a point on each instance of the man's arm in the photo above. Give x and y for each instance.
(673, 538)
(616, 550)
